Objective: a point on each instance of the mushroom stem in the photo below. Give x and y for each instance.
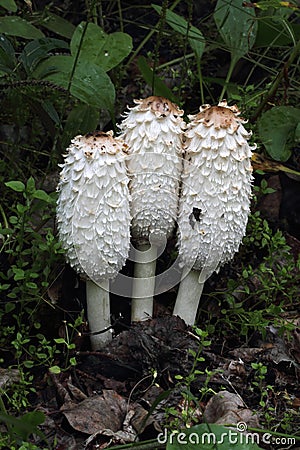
(188, 297)
(98, 312)
(143, 282)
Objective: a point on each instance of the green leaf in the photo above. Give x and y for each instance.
(90, 83)
(31, 285)
(179, 24)
(38, 50)
(209, 437)
(81, 120)
(58, 25)
(26, 425)
(9, 307)
(30, 185)
(7, 56)
(17, 186)
(50, 110)
(55, 369)
(237, 26)
(16, 26)
(10, 5)
(4, 287)
(278, 131)
(28, 364)
(276, 32)
(60, 341)
(159, 88)
(104, 50)
(42, 195)
(297, 133)
(19, 274)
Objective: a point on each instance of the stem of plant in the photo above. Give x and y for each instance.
(188, 296)
(143, 282)
(272, 91)
(200, 80)
(98, 313)
(229, 73)
(146, 39)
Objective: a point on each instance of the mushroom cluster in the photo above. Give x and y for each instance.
(159, 172)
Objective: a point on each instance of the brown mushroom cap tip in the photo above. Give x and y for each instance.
(220, 116)
(160, 106)
(103, 143)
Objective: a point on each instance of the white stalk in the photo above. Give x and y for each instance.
(98, 312)
(143, 282)
(188, 297)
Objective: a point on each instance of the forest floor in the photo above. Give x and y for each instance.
(162, 375)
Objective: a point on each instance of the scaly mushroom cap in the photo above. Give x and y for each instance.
(93, 206)
(216, 188)
(153, 131)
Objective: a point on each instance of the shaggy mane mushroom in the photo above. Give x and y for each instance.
(94, 220)
(215, 199)
(153, 131)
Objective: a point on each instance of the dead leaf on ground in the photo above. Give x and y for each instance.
(8, 377)
(101, 412)
(228, 408)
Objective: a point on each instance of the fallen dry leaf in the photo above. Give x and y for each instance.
(101, 412)
(8, 377)
(228, 408)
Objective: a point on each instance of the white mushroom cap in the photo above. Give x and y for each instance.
(153, 131)
(93, 206)
(216, 188)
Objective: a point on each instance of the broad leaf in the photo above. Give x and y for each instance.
(7, 56)
(179, 24)
(278, 131)
(39, 49)
(210, 437)
(57, 25)
(16, 26)
(89, 83)
(237, 26)
(276, 32)
(105, 50)
(10, 5)
(81, 120)
(159, 88)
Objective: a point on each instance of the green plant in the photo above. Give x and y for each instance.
(264, 288)
(20, 429)
(30, 252)
(68, 345)
(186, 415)
(259, 377)
(76, 82)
